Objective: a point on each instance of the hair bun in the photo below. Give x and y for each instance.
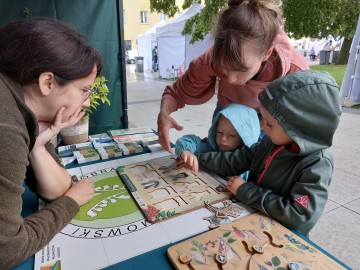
(234, 2)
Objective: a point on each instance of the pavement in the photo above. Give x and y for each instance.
(338, 230)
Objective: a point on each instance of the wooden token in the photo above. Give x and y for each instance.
(258, 249)
(221, 259)
(298, 266)
(185, 257)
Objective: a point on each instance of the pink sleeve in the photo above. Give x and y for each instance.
(196, 86)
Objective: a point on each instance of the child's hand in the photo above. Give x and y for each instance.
(234, 183)
(82, 191)
(190, 160)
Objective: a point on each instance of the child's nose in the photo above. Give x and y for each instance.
(223, 137)
(261, 123)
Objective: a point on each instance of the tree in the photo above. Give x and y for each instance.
(303, 18)
(200, 24)
(320, 19)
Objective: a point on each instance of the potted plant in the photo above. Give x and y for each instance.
(79, 132)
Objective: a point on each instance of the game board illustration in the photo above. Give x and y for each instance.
(111, 201)
(163, 190)
(255, 242)
(111, 227)
(101, 227)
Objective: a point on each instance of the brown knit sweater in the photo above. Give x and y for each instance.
(20, 237)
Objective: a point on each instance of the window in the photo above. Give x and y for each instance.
(127, 45)
(144, 17)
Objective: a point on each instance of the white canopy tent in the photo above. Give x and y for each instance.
(174, 49)
(350, 87)
(196, 49)
(146, 42)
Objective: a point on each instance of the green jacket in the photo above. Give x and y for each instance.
(21, 237)
(294, 187)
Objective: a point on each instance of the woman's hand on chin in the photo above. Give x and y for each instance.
(47, 130)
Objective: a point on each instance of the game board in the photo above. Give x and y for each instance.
(162, 190)
(254, 242)
(111, 228)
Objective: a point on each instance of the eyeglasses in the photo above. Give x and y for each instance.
(88, 92)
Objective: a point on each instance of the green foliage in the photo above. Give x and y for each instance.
(99, 96)
(303, 18)
(199, 246)
(307, 18)
(168, 7)
(202, 23)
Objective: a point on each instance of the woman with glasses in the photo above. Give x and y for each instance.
(46, 73)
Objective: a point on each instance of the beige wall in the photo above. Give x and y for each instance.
(132, 24)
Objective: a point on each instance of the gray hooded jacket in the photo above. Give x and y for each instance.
(290, 186)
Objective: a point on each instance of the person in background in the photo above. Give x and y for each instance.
(46, 73)
(312, 54)
(234, 127)
(250, 50)
(291, 167)
(154, 54)
(328, 46)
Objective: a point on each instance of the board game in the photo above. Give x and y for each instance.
(254, 242)
(162, 190)
(111, 228)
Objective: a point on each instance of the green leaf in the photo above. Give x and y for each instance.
(226, 234)
(275, 261)
(195, 243)
(231, 240)
(100, 93)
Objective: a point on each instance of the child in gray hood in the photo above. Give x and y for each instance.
(291, 167)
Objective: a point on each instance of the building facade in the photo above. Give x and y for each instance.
(138, 19)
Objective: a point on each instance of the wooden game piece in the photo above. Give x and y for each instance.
(186, 258)
(299, 266)
(239, 248)
(221, 255)
(216, 222)
(220, 260)
(213, 226)
(149, 184)
(228, 209)
(259, 249)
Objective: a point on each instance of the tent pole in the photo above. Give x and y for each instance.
(347, 85)
(121, 56)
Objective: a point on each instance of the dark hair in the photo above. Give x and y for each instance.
(32, 46)
(254, 21)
